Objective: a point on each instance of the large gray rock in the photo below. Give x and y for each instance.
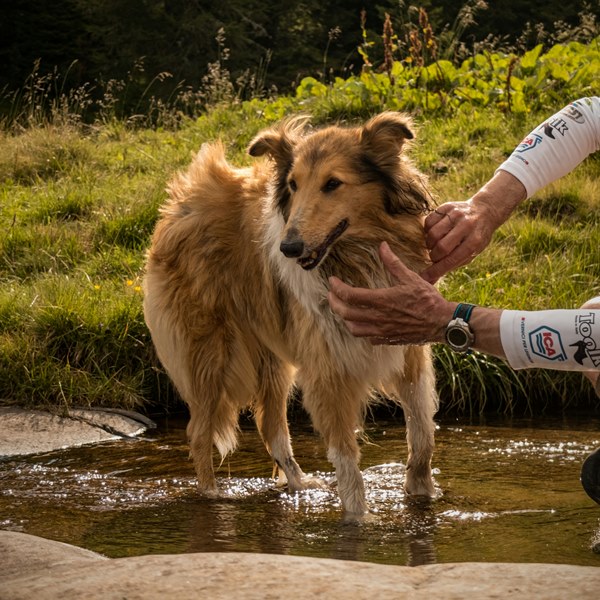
(41, 569)
(34, 431)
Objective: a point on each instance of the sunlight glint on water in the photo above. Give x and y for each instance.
(505, 494)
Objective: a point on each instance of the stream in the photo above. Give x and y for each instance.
(510, 492)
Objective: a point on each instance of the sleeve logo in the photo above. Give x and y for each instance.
(529, 143)
(546, 342)
(586, 346)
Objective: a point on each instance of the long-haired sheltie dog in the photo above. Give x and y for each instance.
(236, 287)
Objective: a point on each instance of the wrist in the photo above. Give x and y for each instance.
(499, 197)
(445, 313)
(459, 336)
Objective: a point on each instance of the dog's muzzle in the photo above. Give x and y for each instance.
(293, 246)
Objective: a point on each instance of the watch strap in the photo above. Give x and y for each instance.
(463, 311)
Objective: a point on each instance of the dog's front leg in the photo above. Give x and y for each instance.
(270, 412)
(336, 409)
(351, 487)
(416, 390)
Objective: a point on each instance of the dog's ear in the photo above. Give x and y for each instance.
(278, 142)
(383, 137)
(272, 143)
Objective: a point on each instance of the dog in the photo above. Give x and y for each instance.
(235, 294)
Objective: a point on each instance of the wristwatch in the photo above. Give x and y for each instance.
(459, 335)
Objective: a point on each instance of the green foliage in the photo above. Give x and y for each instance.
(78, 204)
(513, 83)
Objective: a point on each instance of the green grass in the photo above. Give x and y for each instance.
(78, 205)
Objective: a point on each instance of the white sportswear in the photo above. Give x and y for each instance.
(557, 146)
(554, 339)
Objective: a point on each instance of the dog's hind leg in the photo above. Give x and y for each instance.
(418, 397)
(270, 411)
(200, 439)
(337, 412)
(216, 382)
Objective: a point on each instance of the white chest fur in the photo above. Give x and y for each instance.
(351, 354)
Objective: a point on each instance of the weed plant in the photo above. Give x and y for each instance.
(78, 203)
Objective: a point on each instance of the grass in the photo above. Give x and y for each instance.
(546, 256)
(78, 205)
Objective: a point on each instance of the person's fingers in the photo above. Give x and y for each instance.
(382, 341)
(433, 273)
(348, 312)
(392, 263)
(433, 218)
(461, 256)
(449, 243)
(359, 321)
(364, 330)
(353, 296)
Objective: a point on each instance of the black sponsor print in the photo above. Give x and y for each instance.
(581, 352)
(573, 113)
(586, 346)
(557, 125)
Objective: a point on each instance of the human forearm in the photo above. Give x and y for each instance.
(485, 324)
(498, 198)
(456, 232)
(556, 146)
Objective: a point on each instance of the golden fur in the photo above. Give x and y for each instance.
(236, 322)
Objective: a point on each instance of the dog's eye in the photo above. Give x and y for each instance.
(332, 184)
(293, 185)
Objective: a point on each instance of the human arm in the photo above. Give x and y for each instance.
(413, 311)
(456, 232)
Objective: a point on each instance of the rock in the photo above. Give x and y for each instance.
(34, 431)
(41, 569)
(24, 555)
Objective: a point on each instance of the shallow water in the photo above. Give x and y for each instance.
(509, 491)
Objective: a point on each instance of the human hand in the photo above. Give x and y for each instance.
(455, 233)
(410, 312)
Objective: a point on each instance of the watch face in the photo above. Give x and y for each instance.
(457, 337)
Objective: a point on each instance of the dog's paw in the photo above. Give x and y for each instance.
(420, 488)
(212, 493)
(307, 482)
(280, 481)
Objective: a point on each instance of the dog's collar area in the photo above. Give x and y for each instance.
(316, 256)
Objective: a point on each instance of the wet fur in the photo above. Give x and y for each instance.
(236, 324)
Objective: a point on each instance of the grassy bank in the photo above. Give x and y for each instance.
(78, 205)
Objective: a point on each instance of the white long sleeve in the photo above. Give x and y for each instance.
(557, 146)
(552, 339)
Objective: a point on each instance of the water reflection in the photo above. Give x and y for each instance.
(506, 494)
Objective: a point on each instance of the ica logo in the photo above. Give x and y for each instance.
(546, 342)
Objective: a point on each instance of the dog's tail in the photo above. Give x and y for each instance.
(209, 178)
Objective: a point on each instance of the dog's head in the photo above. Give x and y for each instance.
(340, 182)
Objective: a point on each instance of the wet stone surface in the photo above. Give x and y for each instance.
(37, 568)
(34, 431)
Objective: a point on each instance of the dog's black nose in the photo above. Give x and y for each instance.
(292, 248)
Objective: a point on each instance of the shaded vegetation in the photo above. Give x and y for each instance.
(80, 192)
